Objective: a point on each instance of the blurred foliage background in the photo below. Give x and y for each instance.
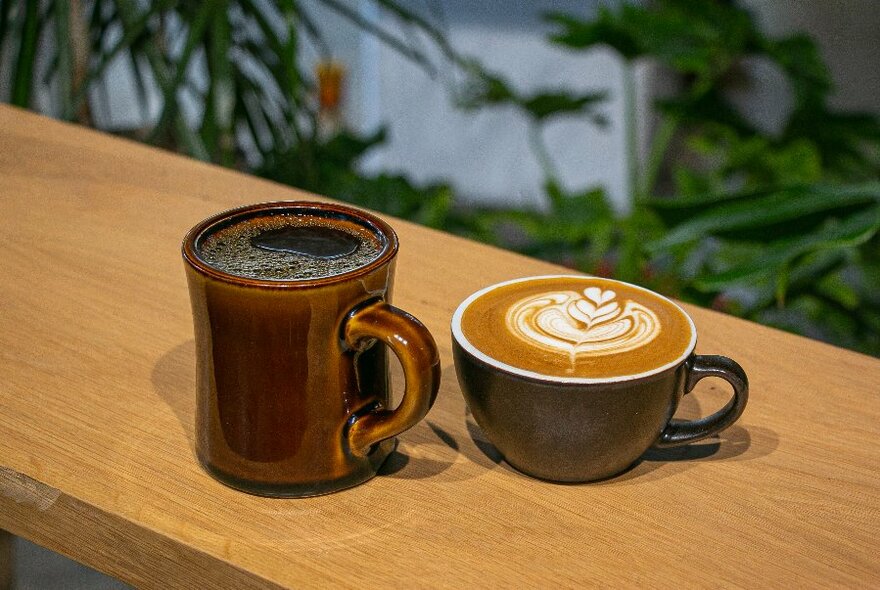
(781, 228)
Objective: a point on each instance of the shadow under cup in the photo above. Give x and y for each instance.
(293, 393)
(578, 428)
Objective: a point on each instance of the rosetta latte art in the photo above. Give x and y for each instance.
(591, 323)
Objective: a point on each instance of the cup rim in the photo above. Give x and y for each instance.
(461, 339)
(382, 229)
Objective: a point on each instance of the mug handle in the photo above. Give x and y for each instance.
(682, 432)
(414, 346)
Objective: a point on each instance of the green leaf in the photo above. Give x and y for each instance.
(750, 213)
(543, 106)
(131, 33)
(222, 93)
(798, 161)
(129, 12)
(195, 34)
(22, 74)
(834, 286)
(849, 233)
(62, 14)
(707, 108)
(848, 143)
(605, 29)
(799, 57)
(401, 47)
(313, 33)
(781, 284)
(190, 140)
(485, 88)
(689, 184)
(140, 86)
(813, 317)
(5, 21)
(760, 292)
(697, 37)
(434, 33)
(345, 149)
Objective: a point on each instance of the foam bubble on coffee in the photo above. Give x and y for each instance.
(289, 248)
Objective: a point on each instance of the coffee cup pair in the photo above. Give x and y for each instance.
(573, 378)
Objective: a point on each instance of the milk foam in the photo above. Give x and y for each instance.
(591, 323)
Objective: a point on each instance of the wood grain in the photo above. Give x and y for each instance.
(96, 421)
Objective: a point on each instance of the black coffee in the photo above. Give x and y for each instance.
(318, 242)
(289, 248)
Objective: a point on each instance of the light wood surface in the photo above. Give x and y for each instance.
(96, 421)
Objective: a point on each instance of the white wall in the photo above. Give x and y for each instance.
(848, 35)
(487, 154)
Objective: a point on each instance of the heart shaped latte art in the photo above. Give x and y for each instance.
(591, 323)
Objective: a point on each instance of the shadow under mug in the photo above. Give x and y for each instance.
(292, 383)
(569, 431)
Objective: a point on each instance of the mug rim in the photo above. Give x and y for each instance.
(461, 339)
(379, 227)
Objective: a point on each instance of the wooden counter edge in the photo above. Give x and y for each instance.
(46, 516)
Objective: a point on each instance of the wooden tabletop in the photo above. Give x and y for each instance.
(97, 399)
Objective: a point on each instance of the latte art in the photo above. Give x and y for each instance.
(591, 323)
(573, 328)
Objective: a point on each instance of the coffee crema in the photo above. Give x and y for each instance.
(290, 247)
(576, 327)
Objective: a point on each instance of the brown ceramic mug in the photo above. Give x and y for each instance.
(293, 392)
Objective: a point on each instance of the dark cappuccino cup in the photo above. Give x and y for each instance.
(573, 378)
(293, 319)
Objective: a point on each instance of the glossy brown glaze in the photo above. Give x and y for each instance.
(293, 394)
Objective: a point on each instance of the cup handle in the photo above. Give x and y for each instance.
(682, 432)
(414, 346)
